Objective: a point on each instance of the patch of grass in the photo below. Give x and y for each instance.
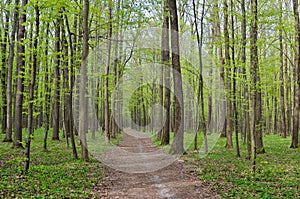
(52, 174)
(277, 172)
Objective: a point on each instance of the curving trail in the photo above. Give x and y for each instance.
(139, 177)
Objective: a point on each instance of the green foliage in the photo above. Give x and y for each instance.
(53, 173)
(277, 173)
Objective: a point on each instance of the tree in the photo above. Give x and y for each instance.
(177, 145)
(235, 77)
(255, 81)
(295, 134)
(20, 76)
(283, 126)
(4, 70)
(31, 89)
(83, 84)
(56, 97)
(165, 56)
(9, 87)
(228, 79)
(106, 79)
(200, 97)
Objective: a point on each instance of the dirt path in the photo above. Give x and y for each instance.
(177, 180)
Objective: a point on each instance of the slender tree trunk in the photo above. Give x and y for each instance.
(200, 97)
(56, 98)
(254, 79)
(235, 76)
(20, 70)
(283, 131)
(287, 91)
(31, 90)
(4, 76)
(47, 91)
(106, 80)
(165, 55)
(70, 96)
(295, 140)
(67, 88)
(9, 87)
(275, 126)
(83, 84)
(177, 145)
(245, 90)
(228, 80)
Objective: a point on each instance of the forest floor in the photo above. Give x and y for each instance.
(54, 173)
(176, 180)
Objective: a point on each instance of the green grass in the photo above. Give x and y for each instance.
(277, 172)
(52, 174)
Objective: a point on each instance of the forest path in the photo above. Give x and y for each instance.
(175, 180)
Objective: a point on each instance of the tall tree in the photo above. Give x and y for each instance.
(283, 129)
(295, 141)
(83, 84)
(31, 88)
(200, 97)
(228, 78)
(9, 87)
(165, 56)
(20, 76)
(177, 145)
(56, 97)
(106, 79)
(3, 44)
(70, 74)
(235, 77)
(254, 79)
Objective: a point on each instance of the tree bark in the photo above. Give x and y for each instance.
(283, 129)
(9, 88)
(31, 90)
(106, 80)
(177, 145)
(200, 98)
(295, 141)
(4, 76)
(20, 70)
(229, 122)
(56, 98)
(83, 84)
(165, 56)
(235, 76)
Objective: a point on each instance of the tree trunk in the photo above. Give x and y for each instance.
(235, 76)
(83, 84)
(165, 56)
(56, 98)
(31, 90)
(9, 87)
(4, 76)
(106, 80)
(177, 145)
(228, 80)
(47, 91)
(283, 129)
(66, 87)
(70, 96)
(200, 98)
(295, 141)
(20, 78)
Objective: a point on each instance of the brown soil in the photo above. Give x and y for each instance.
(177, 180)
